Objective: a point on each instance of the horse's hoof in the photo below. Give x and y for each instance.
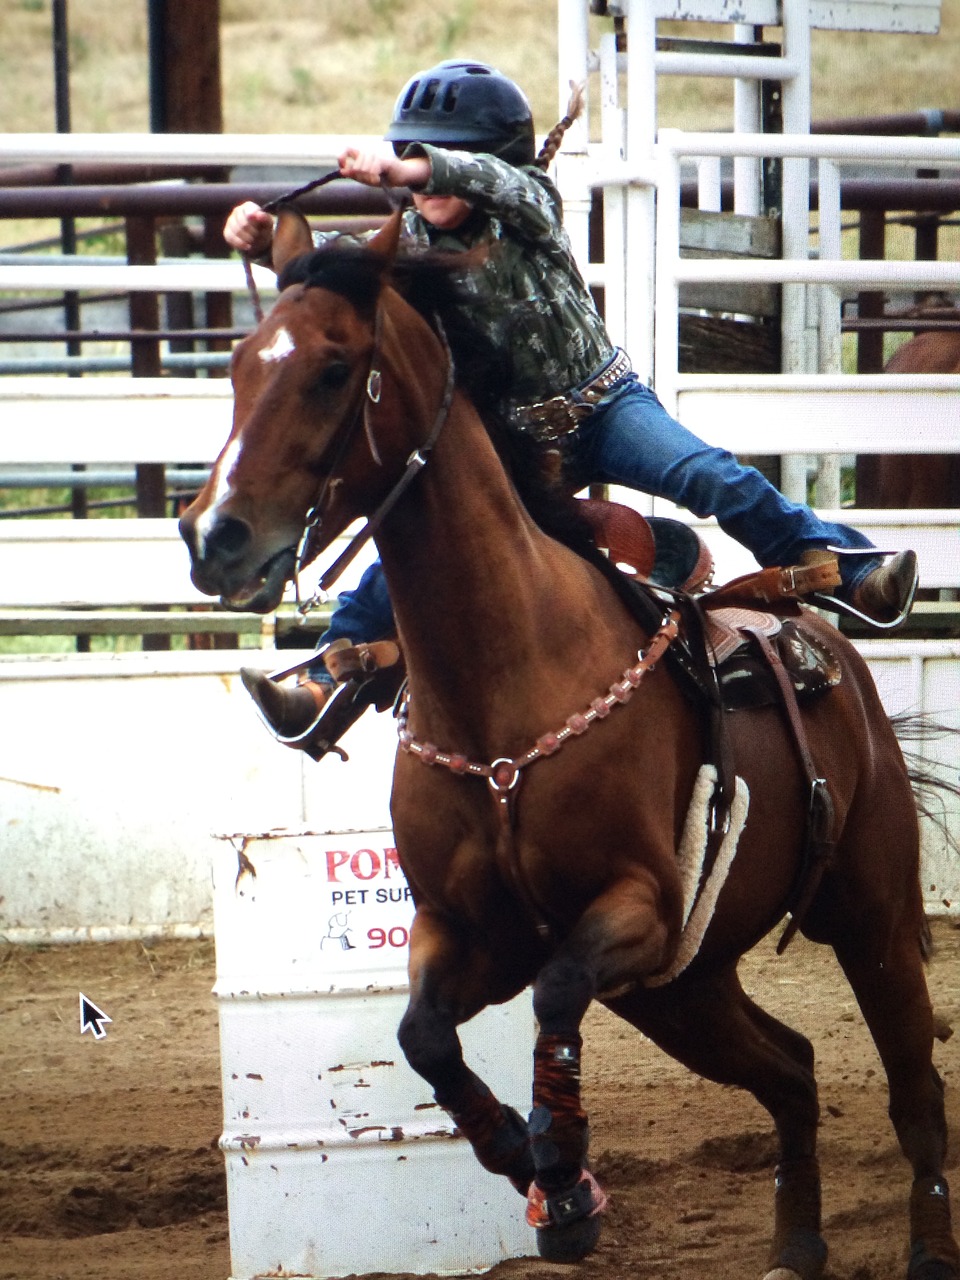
(570, 1243)
(801, 1256)
(925, 1265)
(568, 1222)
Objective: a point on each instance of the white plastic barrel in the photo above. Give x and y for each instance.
(338, 1160)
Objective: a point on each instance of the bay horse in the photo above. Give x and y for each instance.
(547, 762)
(909, 481)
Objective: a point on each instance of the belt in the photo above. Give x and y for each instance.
(548, 420)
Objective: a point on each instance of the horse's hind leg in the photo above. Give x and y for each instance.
(712, 1027)
(888, 980)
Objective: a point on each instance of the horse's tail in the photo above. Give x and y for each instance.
(933, 782)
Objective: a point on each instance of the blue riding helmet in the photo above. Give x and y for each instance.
(464, 106)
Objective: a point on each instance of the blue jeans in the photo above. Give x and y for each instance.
(631, 440)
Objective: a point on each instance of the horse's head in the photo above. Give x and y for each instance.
(311, 420)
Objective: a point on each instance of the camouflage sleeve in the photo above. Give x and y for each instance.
(409, 231)
(522, 198)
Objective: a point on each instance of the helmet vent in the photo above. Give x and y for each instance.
(410, 94)
(429, 95)
(450, 98)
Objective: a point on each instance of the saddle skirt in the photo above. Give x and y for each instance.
(669, 554)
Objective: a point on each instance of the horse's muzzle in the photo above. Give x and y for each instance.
(226, 562)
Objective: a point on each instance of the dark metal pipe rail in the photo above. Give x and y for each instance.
(921, 124)
(348, 198)
(123, 335)
(355, 200)
(39, 175)
(901, 195)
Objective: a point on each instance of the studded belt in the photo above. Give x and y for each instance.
(548, 420)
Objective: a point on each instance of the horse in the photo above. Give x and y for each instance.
(548, 755)
(911, 480)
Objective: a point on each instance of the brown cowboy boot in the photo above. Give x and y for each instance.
(288, 712)
(886, 594)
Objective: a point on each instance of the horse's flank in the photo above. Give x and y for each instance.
(912, 480)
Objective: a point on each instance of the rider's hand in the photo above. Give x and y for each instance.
(249, 229)
(374, 169)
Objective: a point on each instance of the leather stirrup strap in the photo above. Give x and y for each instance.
(356, 661)
(820, 833)
(774, 585)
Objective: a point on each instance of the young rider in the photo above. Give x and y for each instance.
(463, 143)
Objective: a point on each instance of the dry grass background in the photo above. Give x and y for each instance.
(335, 66)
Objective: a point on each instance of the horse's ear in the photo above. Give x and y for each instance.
(291, 238)
(387, 238)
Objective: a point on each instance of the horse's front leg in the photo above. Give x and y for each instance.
(450, 981)
(619, 938)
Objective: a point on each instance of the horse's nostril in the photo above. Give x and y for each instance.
(228, 538)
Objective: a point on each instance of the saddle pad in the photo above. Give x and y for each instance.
(723, 629)
(701, 886)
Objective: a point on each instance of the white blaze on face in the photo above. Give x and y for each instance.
(281, 347)
(228, 460)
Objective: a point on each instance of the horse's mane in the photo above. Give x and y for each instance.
(432, 282)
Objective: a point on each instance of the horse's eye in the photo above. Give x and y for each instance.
(333, 377)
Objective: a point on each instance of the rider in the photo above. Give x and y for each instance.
(463, 142)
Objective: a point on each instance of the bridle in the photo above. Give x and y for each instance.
(372, 391)
(412, 468)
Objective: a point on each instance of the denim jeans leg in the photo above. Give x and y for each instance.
(362, 615)
(631, 440)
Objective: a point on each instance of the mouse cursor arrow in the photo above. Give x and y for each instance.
(92, 1018)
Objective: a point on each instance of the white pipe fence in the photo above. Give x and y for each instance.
(203, 150)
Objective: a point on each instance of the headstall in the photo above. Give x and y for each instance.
(414, 465)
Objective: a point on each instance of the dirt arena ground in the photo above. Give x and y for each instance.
(109, 1165)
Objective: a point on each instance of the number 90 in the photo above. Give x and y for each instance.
(395, 937)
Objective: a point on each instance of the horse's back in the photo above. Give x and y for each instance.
(935, 351)
(919, 481)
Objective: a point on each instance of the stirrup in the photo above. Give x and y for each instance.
(297, 741)
(835, 604)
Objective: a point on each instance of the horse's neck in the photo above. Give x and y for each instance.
(461, 535)
(494, 616)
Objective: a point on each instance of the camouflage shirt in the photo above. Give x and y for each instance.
(527, 295)
(549, 324)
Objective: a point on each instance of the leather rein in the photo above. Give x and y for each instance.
(271, 207)
(415, 463)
